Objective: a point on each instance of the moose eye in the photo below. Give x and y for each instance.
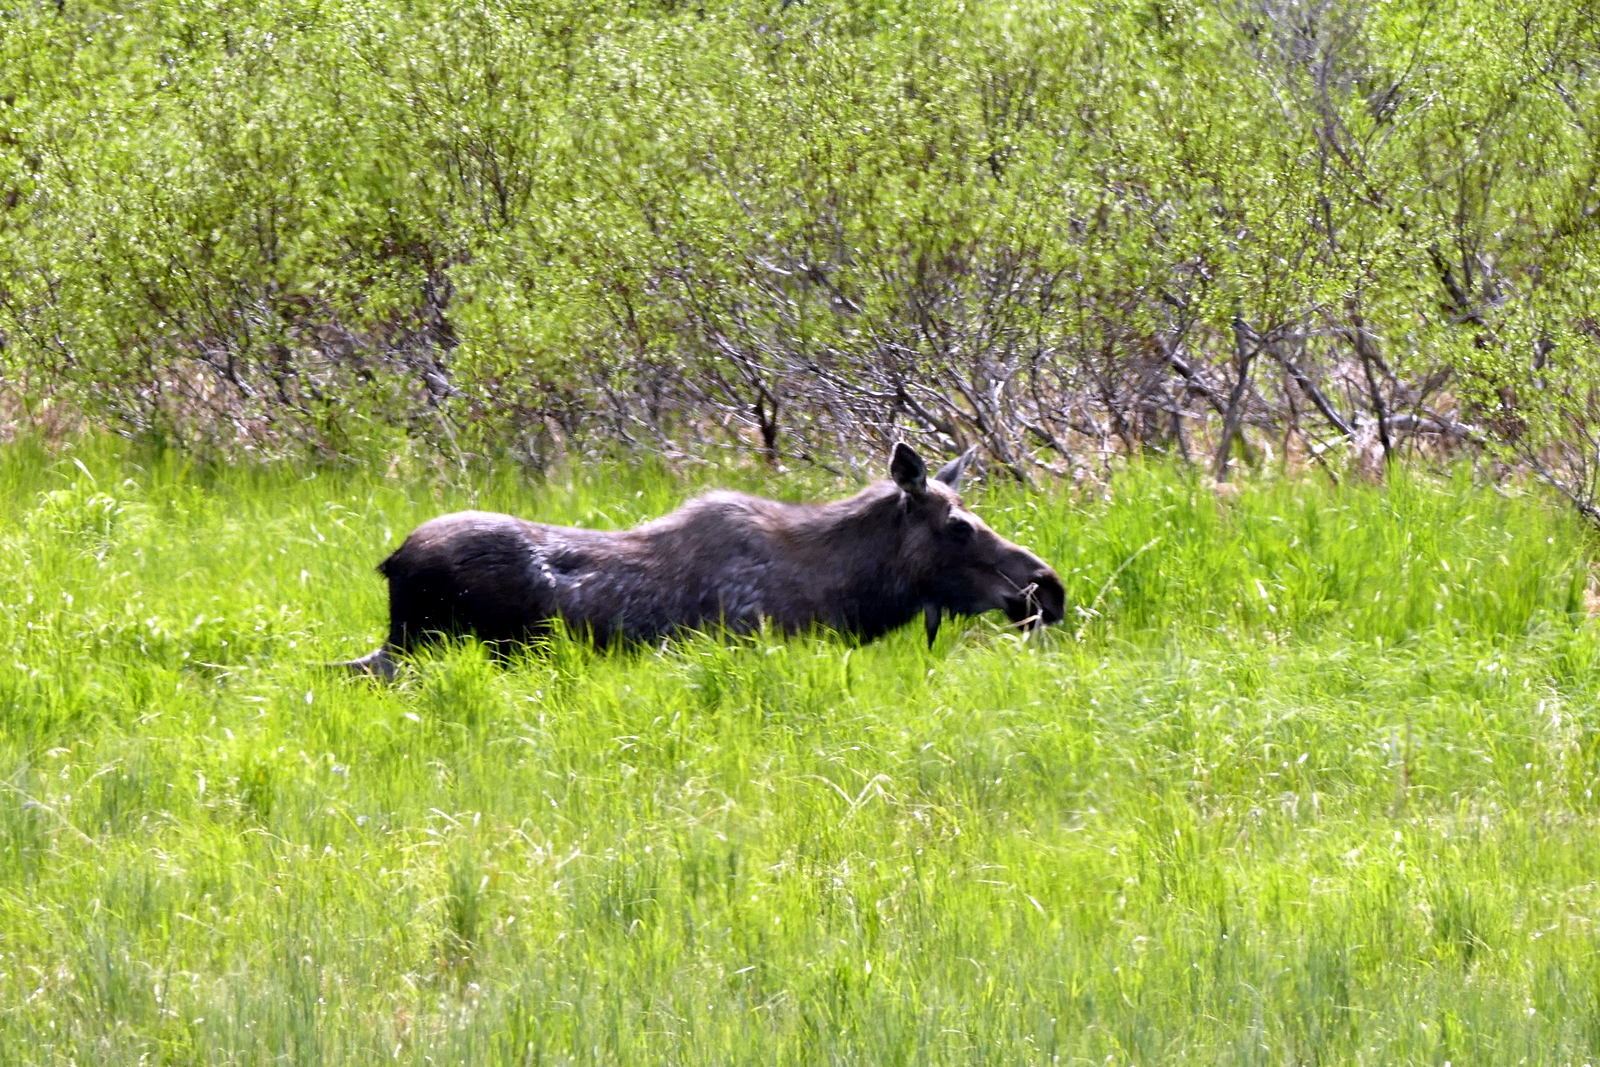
(960, 529)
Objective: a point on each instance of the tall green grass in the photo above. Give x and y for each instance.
(1307, 776)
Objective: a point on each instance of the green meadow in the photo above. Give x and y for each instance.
(1306, 777)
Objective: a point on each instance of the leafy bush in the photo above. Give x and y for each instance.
(1336, 228)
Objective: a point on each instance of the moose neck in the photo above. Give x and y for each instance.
(859, 545)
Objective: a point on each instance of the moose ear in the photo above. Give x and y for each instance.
(950, 474)
(908, 470)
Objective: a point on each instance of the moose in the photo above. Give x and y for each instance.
(865, 565)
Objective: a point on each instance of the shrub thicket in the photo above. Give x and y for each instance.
(1061, 230)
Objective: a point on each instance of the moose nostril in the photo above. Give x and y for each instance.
(1053, 595)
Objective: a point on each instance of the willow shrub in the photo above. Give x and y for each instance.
(525, 230)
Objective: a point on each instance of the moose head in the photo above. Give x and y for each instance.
(964, 567)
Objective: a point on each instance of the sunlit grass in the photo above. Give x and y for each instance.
(1308, 779)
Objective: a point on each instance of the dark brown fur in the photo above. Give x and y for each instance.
(901, 548)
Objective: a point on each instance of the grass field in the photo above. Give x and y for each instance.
(1308, 779)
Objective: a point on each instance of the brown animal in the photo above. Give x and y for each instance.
(902, 547)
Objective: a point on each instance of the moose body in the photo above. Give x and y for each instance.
(865, 565)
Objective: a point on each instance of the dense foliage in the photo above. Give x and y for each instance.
(1062, 230)
(1310, 778)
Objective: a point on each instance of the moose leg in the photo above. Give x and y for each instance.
(378, 663)
(421, 608)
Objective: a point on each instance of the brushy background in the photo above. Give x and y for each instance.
(494, 231)
(1307, 776)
